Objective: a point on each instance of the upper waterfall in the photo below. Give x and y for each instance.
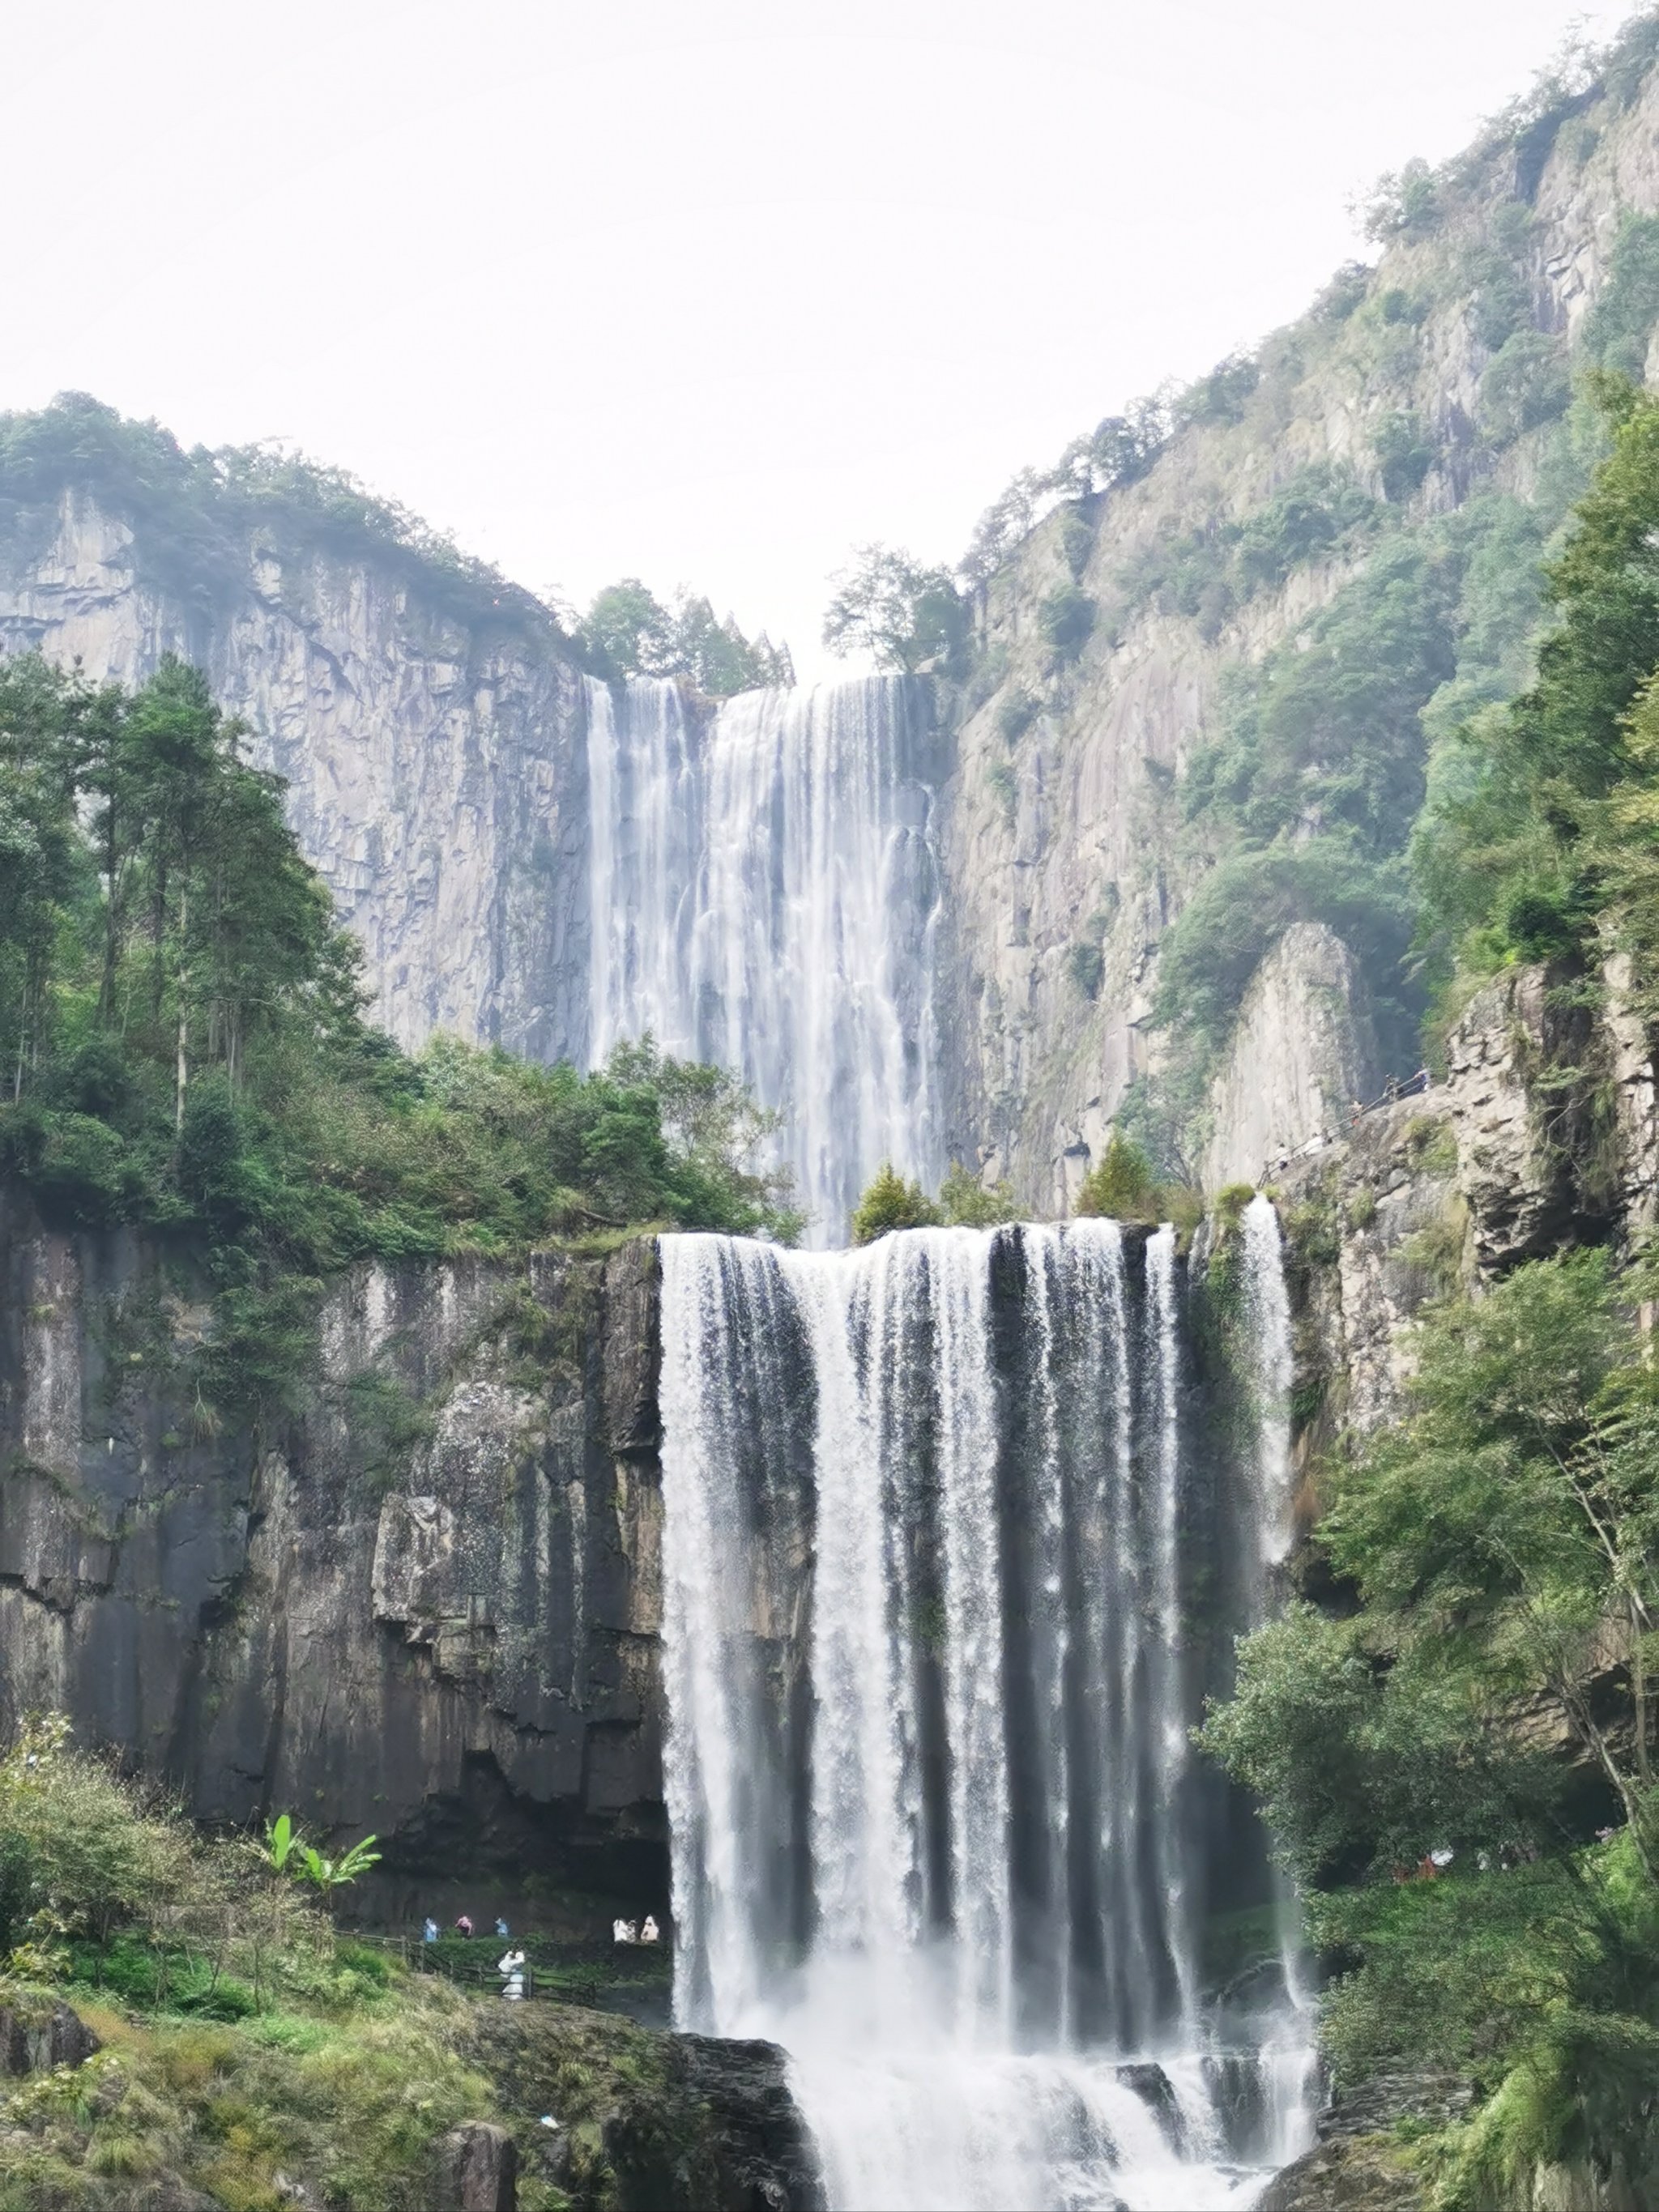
(763, 888)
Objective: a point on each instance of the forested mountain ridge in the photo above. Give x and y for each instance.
(1210, 680)
(1220, 687)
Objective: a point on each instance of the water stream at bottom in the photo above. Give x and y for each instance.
(934, 1540)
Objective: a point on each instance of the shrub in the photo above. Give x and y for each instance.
(1067, 616)
(965, 1203)
(1220, 396)
(1015, 715)
(1404, 451)
(1403, 203)
(1525, 384)
(1005, 784)
(1077, 541)
(1086, 969)
(1344, 294)
(1618, 328)
(1305, 516)
(1120, 1184)
(892, 1203)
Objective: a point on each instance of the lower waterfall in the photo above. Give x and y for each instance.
(934, 1527)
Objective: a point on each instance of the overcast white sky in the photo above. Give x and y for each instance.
(699, 291)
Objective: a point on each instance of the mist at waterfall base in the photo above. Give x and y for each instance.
(763, 888)
(935, 1515)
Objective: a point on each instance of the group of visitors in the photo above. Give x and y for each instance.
(637, 1931)
(463, 1927)
(1280, 1156)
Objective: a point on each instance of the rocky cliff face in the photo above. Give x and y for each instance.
(436, 757)
(437, 765)
(1541, 1136)
(426, 1603)
(1089, 847)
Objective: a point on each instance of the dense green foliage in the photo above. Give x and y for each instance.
(1539, 838)
(629, 632)
(1125, 1185)
(963, 1202)
(185, 1051)
(903, 615)
(195, 513)
(1488, 1693)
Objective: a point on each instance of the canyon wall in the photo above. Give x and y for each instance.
(1073, 835)
(435, 743)
(436, 763)
(425, 1602)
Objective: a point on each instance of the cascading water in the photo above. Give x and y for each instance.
(1267, 1321)
(763, 887)
(927, 1768)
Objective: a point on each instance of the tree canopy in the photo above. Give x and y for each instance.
(905, 615)
(185, 1050)
(630, 632)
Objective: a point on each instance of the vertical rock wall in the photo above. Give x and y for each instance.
(436, 767)
(428, 1602)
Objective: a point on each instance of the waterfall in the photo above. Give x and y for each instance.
(926, 1758)
(763, 887)
(1268, 1322)
(1170, 1704)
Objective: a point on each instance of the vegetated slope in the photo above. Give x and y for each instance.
(186, 1051)
(1211, 690)
(185, 2028)
(1454, 1740)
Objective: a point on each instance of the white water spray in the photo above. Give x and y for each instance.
(1268, 1312)
(927, 1713)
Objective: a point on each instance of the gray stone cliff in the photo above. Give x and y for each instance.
(426, 1603)
(437, 765)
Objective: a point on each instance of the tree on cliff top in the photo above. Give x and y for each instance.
(906, 617)
(630, 632)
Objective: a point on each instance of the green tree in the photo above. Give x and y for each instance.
(892, 1203)
(629, 631)
(1120, 1184)
(1485, 1689)
(1536, 827)
(41, 852)
(905, 615)
(965, 1202)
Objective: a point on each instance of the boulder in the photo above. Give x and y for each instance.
(35, 2042)
(478, 2170)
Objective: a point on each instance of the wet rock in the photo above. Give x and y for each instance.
(478, 2170)
(762, 2146)
(1360, 2173)
(1434, 2099)
(1155, 2090)
(1357, 2165)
